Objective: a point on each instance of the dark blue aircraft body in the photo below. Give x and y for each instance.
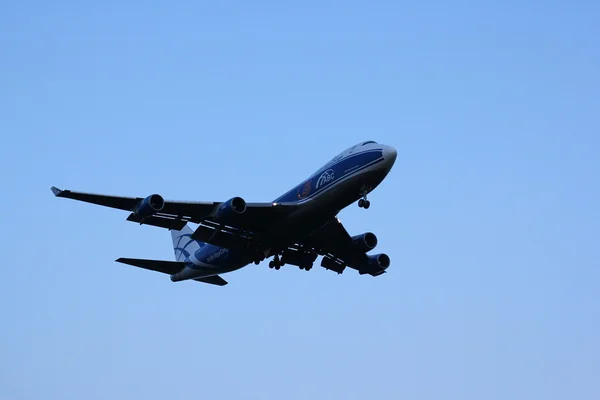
(293, 229)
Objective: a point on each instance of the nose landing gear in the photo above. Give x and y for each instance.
(364, 203)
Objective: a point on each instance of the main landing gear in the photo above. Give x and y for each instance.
(276, 262)
(306, 266)
(259, 257)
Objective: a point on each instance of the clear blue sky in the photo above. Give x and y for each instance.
(490, 215)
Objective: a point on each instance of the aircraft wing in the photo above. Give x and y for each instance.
(175, 214)
(335, 244)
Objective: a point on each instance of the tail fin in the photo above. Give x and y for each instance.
(183, 244)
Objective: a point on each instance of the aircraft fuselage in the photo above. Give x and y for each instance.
(348, 177)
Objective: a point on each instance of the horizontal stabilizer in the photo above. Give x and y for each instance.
(166, 267)
(213, 280)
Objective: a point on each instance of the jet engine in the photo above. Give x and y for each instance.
(380, 261)
(229, 210)
(149, 206)
(376, 265)
(365, 242)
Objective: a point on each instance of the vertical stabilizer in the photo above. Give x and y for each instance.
(183, 244)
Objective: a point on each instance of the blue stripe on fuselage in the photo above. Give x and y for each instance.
(329, 175)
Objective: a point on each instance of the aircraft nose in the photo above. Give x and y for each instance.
(389, 154)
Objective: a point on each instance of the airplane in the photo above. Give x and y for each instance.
(294, 229)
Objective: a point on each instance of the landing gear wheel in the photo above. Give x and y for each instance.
(364, 203)
(258, 257)
(276, 262)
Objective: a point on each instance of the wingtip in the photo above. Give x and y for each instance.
(56, 190)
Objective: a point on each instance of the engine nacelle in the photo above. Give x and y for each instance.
(380, 261)
(376, 265)
(149, 206)
(365, 242)
(230, 210)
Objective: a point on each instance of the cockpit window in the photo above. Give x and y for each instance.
(369, 142)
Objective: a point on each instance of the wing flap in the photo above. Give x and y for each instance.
(214, 236)
(166, 267)
(160, 221)
(333, 265)
(298, 257)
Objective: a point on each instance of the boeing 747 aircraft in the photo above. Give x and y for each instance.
(293, 229)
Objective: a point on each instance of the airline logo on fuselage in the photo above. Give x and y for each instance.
(325, 178)
(216, 255)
